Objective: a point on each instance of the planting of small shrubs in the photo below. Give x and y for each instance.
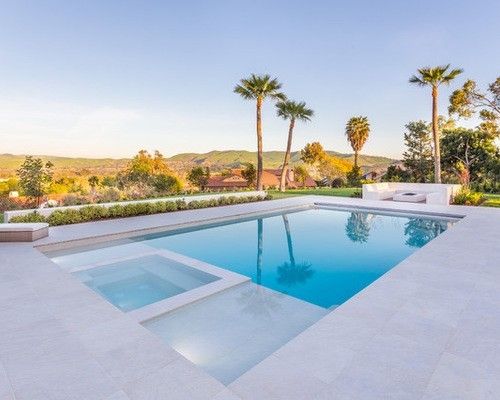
(96, 212)
(468, 197)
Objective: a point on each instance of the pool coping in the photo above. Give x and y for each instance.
(359, 348)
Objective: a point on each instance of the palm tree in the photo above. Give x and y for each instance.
(259, 87)
(291, 110)
(357, 131)
(434, 77)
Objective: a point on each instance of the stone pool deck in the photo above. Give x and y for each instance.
(428, 329)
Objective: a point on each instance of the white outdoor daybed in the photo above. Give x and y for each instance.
(430, 193)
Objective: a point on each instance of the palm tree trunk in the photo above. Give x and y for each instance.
(260, 245)
(435, 135)
(284, 170)
(355, 158)
(259, 144)
(289, 240)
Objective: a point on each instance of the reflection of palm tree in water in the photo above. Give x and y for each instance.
(257, 300)
(357, 227)
(260, 245)
(290, 273)
(421, 231)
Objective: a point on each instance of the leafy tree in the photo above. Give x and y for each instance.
(93, 182)
(466, 101)
(357, 131)
(35, 177)
(300, 174)
(292, 111)
(164, 183)
(434, 77)
(395, 173)
(258, 88)
(198, 176)
(109, 181)
(468, 153)
(417, 157)
(249, 173)
(312, 153)
(354, 176)
(144, 165)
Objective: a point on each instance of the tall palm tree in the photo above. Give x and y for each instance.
(434, 77)
(258, 88)
(291, 110)
(357, 131)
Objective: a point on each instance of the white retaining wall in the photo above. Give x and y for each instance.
(47, 211)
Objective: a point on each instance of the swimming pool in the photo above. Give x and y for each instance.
(302, 264)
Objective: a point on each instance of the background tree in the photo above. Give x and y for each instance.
(93, 181)
(198, 176)
(468, 100)
(166, 184)
(435, 77)
(35, 177)
(300, 174)
(395, 173)
(357, 131)
(259, 88)
(292, 111)
(417, 157)
(249, 173)
(469, 153)
(312, 153)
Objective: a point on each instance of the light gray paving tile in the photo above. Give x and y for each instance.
(178, 380)
(477, 337)
(226, 394)
(6, 392)
(121, 395)
(390, 367)
(274, 379)
(134, 360)
(419, 329)
(309, 353)
(60, 371)
(441, 305)
(459, 379)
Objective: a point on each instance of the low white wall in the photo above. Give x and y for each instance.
(437, 193)
(47, 211)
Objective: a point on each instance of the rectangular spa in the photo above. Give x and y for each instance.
(302, 264)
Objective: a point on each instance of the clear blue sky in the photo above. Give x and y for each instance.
(106, 78)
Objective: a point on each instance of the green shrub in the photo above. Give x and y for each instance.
(468, 197)
(31, 217)
(96, 212)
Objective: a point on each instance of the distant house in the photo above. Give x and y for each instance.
(376, 173)
(221, 182)
(270, 179)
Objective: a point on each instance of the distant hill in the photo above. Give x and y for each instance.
(272, 159)
(216, 159)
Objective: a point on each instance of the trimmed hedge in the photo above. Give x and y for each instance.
(96, 212)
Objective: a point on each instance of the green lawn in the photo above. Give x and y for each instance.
(492, 200)
(342, 192)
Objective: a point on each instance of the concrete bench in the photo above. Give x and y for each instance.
(28, 232)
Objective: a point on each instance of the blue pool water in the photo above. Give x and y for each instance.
(301, 265)
(137, 282)
(322, 256)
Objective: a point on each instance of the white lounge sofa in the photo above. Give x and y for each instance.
(435, 193)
